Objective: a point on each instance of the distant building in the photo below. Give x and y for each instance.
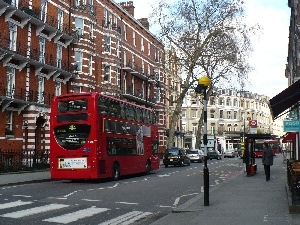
(228, 114)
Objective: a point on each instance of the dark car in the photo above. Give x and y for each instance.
(176, 156)
(213, 154)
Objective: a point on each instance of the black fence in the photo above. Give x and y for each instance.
(23, 160)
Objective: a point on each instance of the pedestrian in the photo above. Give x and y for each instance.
(267, 159)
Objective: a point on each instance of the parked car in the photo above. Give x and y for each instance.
(176, 156)
(229, 153)
(196, 155)
(213, 154)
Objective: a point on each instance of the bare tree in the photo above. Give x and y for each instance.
(210, 38)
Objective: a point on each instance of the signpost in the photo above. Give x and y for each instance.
(253, 126)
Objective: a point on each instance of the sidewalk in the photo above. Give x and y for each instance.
(241, 200)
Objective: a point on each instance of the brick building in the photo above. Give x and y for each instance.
(49, 48)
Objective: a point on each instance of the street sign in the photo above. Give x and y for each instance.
(291, 125)
(253, 123)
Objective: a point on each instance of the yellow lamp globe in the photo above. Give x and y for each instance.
(205, 81)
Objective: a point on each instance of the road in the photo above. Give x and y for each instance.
(131, 200)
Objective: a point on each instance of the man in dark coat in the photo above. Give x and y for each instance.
(267, 159)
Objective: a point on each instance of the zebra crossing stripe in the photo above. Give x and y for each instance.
(35, 210)
(127, 218)
(13, 204)
(74, 216)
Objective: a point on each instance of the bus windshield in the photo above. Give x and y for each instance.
(72, 136)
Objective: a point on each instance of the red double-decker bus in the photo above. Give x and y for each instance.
(96, 136)
(273, 144)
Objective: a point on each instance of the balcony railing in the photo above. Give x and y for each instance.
(87, 8)
(30, 96)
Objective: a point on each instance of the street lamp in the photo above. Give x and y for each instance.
(202, 86)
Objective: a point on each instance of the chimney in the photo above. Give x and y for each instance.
(144, 22)
(128, 6)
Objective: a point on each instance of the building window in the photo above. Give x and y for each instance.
(118, 48)
(10, 93)
(221, 101)
(194, 113)
(91, 31)
(106, 43)
(132, 65)
(78, 61)
(43, 10)
(12, 36)
(41, 89)
(149, 52)
(228, 102)
(91, 65)
(8, 123)
(235, 102)
(58, 88)
(212, 113)
(195, 129)
(77, 89)
(228, 114)
(58, 55)
(133, 39)
(221, 114)
(107, 73)
(235, 115)
(79, 26)
(142, 44)
(60, 19)
(157, 97)
(42, 43)
(125, 32)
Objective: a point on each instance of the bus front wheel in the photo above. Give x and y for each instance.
(116, 172)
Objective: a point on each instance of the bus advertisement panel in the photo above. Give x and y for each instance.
(95, 136)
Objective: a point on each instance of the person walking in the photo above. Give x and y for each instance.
(267, 159)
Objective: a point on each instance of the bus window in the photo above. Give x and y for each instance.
(73, 105)
(123, 111)
(115, 109)
(130, 112)
(103, 105)
(139, 115)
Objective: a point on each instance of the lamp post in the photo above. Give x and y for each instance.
(202, 86)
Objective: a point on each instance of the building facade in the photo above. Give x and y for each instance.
(228, 114)
(56, 47)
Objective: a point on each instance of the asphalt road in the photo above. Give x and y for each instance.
(131, 200)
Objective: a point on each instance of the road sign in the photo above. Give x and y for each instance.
(253, 123)
(248, 118)
(291, 125)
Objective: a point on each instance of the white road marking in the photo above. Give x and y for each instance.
(128, 203)
(25, 196)
(90, 200)
(127, 218)
(13, 204)
(74, 216)
(35, 210)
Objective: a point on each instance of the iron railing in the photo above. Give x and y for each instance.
(23, 160)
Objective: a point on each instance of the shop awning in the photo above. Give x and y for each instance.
(289, 137)
(285, 99)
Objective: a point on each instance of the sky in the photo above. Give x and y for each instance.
(270, 48)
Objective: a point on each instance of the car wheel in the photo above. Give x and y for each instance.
(166, 165)
(116, 172)
(189, 163)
